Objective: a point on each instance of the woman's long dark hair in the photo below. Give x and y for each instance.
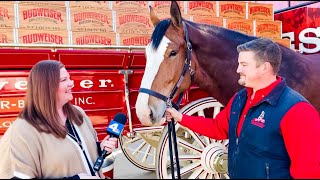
(40, 108)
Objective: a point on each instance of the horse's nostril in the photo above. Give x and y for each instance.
(151, 115)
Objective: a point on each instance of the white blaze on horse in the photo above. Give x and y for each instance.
(214, 62)
(143, 110)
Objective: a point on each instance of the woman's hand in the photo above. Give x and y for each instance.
(108, 143)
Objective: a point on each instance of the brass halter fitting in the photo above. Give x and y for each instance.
(190, 69)
(169, 103)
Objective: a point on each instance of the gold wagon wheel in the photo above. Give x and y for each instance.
(199, 156)
(140, 149)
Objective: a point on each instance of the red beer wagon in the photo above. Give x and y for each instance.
(107, 80)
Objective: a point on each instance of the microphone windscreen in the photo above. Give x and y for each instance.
(116, 125)
(120, 118)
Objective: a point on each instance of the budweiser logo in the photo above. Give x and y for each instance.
(42, 37)
(164, 4)
(239, 26)
(203, 4)
(93, 39)
(3, 13)
(267, 27)
(260, 9)
(133, 2)
(210, 21)
(161, 3)
(232, 7)
(205, 21)
(98, 2)
(3, 38)
(91, 15)
(41, 12)
(134, 18)
(136, 41)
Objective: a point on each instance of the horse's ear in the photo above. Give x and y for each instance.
(154, 19)
(176, 17)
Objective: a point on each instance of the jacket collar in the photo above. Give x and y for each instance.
(273, 97)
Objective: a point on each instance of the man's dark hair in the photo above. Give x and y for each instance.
(265, 51)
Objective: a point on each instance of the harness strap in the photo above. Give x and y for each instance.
(187, 62)
(153, 93)
(162, 97)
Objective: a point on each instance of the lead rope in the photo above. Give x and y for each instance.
(172, 132)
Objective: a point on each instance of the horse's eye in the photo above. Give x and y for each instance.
(173, 53)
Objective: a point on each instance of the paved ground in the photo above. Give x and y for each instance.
(124, 169)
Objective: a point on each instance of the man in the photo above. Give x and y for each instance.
(273, 131)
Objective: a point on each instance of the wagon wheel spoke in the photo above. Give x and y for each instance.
(201, 113)
(196, 173)
(226, 176)
(206, 140)
(209, 176)
(189, 146)
(216, 111)
(216, 176)
(189, 157)
(140, 150)
(133, 140)
(189, 168)
(203, 175)
(146, 154)
(200, 141)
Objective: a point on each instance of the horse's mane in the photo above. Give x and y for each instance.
(223, 33)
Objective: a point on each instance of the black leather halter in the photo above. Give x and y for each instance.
(186, 66)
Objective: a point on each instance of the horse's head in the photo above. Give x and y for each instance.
(165, 55)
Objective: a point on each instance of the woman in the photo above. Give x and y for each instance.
(51, 138)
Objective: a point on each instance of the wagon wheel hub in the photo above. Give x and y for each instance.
(214, 159)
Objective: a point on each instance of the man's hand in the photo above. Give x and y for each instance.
(108, 144)
(173, 113)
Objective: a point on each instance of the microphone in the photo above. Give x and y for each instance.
(114, 130)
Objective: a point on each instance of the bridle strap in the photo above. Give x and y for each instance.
(162, 97)
(186, 64)
(153, 93)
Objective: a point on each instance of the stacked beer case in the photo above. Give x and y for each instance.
(7, 22)
(254, 19)
(132, 23)
(41, 22)
(91, 23)
(124, 23)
